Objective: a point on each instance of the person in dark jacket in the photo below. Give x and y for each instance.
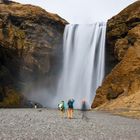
(84, 109)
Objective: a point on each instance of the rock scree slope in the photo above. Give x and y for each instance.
(121, 87)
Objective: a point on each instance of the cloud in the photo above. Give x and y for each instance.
(82, 11)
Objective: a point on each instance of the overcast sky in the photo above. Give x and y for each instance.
(82, 11)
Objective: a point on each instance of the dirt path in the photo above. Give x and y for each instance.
(42, 124)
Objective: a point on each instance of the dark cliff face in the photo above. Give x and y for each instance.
(119, 28)
(30, 45)
(118, 37)
(123, 43)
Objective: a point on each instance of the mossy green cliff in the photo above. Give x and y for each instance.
(30, 48)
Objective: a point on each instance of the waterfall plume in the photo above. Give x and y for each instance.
(83, 63)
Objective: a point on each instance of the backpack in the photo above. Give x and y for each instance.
(61, 106)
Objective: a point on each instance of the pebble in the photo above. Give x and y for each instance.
(36, 124)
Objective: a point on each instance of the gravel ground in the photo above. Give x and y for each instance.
(43, 124)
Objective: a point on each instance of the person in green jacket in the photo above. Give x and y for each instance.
(62, 108)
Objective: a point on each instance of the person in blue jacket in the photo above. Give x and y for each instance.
(70, 108)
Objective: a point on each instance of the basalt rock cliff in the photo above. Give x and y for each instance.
(30, 48)
(121, 87)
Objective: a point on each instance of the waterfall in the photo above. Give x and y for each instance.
(84, 63)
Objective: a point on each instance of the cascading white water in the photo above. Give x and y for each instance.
(84, 62)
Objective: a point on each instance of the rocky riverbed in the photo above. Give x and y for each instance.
(43, 124)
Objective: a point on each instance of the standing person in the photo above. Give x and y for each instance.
(62, 108)
(70, 108)
(35, 106)
(84, 109)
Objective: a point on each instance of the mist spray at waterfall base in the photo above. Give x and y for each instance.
(42, 92)
(84, 63)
